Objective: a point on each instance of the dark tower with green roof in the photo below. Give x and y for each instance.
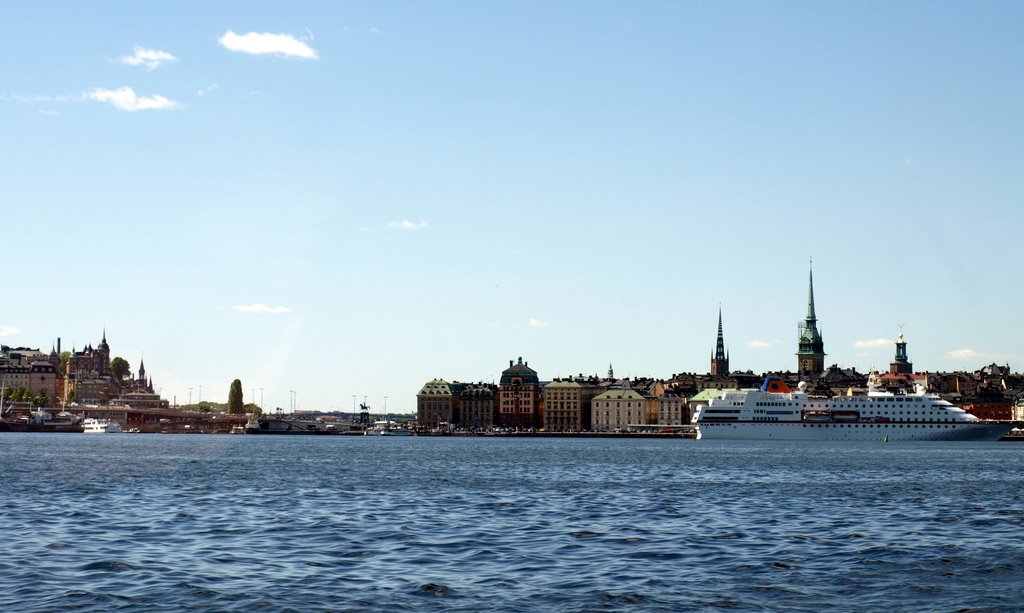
(901, 364)
(810, 357)
(720, 359)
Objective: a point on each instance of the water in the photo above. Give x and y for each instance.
(151, 522)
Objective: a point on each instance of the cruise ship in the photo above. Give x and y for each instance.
(777, 412)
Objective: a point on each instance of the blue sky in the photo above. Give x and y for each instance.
(418, 190)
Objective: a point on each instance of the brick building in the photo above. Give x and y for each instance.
(519, 398)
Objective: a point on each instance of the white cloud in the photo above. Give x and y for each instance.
(537, 323)
(49, 112)
(756, 344)
(374, 30)
(876, 343)
(150, 58)
(971, 354)
(964, 354)
(405, 224)
(125, 99)
(34, 98)
(265, 43)
(9, 331)
(260, 308)
(212, 87)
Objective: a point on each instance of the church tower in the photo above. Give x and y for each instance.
(810, 356)
(901, 365)
(720, 359)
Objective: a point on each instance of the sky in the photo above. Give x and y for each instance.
(349, 199)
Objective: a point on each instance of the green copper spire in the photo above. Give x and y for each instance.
(810, 295)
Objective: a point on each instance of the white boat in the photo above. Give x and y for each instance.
(777, 412)
(93, 425)
(386, 427)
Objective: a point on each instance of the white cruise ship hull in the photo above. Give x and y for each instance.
(803, 431)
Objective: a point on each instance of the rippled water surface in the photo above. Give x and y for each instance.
(162, 522)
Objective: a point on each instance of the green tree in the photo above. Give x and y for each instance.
(71, 397)
(63, 368)
(119, 368)
(235, 405)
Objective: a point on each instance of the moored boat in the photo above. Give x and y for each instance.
(92, 425)
(386, 427)
(777, 412)
(42, 420)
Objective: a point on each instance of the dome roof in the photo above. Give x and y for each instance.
(521, 370)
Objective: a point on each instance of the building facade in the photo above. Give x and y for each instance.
(673, 408)
(437, 404)
(478, 406)
(617, 409)
(567, 403)
(519, 398)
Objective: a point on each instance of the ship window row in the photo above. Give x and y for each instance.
(877, 426)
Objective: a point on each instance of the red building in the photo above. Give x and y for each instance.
(519, 404)
(991, 404)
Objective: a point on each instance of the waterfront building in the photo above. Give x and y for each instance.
(720, 358)
(991, 403)
(42, 380)
(28, 369)
(618, 409)
(140, 400)
(567, 403)
(519, 398)
(437, 404)
(478, 406)
(810, 354)
(15, 375)
(651, 390)
(673, 408)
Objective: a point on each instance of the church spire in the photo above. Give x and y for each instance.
(810, 295)
(720, 360)
(720, 342)
(811, 350)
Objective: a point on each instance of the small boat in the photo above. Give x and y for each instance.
(92, 425)
(386, 427)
